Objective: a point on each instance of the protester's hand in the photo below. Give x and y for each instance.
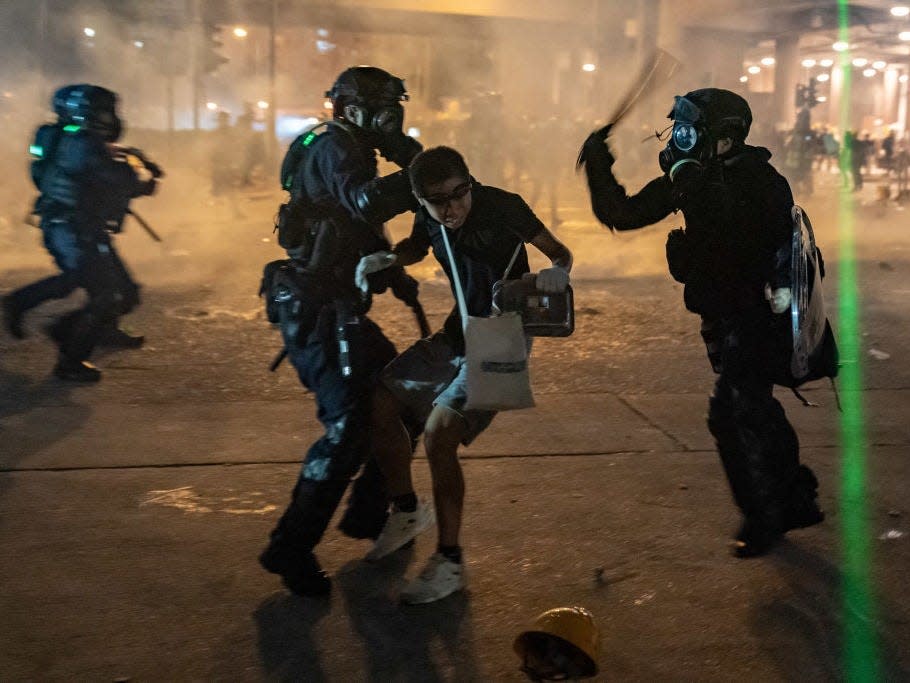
(149, 187)
(779, 298)
(553, 280)
(596, 146)
(372, 263)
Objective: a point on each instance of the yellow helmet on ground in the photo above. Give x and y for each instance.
(563, 643)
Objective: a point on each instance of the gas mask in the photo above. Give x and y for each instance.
(375, 117)
(690, 141)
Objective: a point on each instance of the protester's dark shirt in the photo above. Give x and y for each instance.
(498, 222)
(736, 225)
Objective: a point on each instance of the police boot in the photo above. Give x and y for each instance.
(113, 337)
(73, 370)
(367, 508)
(300, 571)
(755, 538)
(12, 317)
(802, 508)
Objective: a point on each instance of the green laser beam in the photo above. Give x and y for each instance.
(860, 646)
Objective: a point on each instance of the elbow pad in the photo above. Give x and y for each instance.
(382, 198)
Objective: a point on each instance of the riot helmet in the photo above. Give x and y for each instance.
(701, 118)
(369, 97)
(89, 106)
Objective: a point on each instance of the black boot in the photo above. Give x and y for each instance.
(367, 508)
(299, 570)
(115, 338)
(802, 507)
(76, 371)
(12, 317)
(754, 538)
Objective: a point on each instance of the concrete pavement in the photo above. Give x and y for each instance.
(131, 513)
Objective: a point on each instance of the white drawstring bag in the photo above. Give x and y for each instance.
(496, 353)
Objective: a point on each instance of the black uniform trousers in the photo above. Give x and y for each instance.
(343, 409)
(90, 261)
(758, 447)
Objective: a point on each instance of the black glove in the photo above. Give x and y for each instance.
(399, 148)
(678, 254)
(149, 187)
(595, 146)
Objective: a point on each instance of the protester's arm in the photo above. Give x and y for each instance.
(609, 201)
(553, 249)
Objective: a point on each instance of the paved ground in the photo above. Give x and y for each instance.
(131, 513)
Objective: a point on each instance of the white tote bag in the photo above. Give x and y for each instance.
(496, 354)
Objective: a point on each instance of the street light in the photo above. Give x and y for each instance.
(860, 62)
(754, 69)
(879, 64)
(743, 79)
(588, 67)
(823, 78)
(262, 104)
(240, 32)
(904, 35)
(900, 11)
(840, 46)
(211, 106)
(767, 61)
(808, 63)
(869, 73)
(89, 31)
(826, 63)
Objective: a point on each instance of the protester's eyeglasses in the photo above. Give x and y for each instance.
(443, 199)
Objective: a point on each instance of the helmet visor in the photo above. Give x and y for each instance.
(685, 110)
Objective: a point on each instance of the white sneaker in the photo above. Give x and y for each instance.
(441, 577)
(400, 528)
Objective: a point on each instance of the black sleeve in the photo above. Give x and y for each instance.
(344, 170)
(617, 210)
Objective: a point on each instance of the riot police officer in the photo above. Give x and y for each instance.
(86, 185)
(334, 217)
(737, 211)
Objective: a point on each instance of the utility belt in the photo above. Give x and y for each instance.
(308, 232)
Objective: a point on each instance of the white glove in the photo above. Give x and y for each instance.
(779, 298)
(372, 263)
(553, 280)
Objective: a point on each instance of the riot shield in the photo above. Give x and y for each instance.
(807, 306)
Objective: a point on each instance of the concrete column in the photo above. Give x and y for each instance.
(786, 77)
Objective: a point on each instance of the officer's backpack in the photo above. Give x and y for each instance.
(42, 150)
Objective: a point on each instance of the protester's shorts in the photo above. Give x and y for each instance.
(428, 374)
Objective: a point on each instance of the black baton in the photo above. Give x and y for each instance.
(145, 226)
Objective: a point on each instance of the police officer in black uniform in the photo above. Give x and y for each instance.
(86, 185)
(737, 210)
(335, 216)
